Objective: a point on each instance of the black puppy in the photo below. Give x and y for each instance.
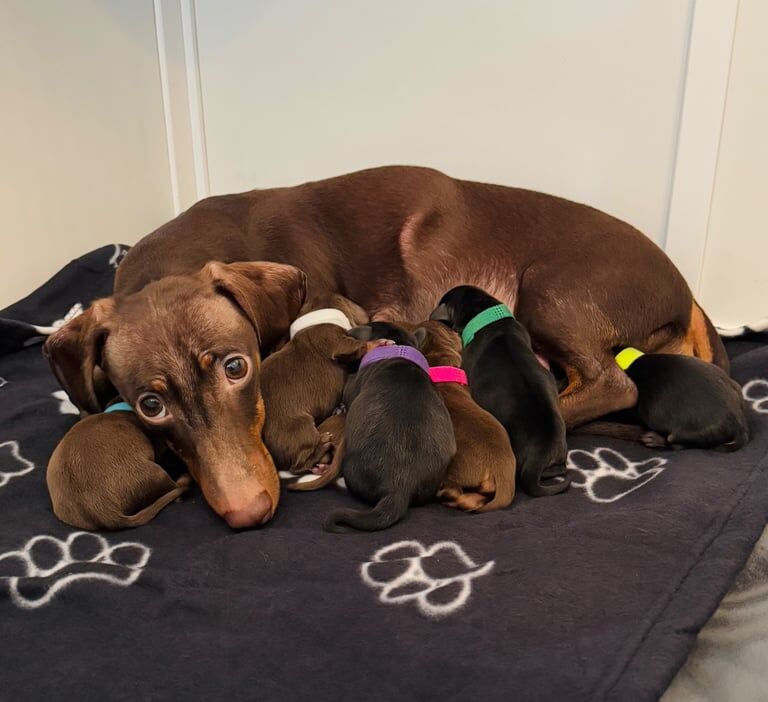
(398, 437)
(684, 401)
(506, 378)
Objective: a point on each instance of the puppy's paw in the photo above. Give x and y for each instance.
(653, 440)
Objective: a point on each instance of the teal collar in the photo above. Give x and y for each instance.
(119, 407)
(482, 320)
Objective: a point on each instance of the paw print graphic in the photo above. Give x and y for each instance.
(12, 463)
(117, 255)
(438, 579)
(3, 382)
(755, 392)
(65, 404)
(607, 476)
(46, 565)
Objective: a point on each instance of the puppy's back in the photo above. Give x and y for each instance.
(689, 401)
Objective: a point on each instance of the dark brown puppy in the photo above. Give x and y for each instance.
(685, 402)
(104, 475)
(302, 382)
(394, 239)
(506, 378)
(481, 476)
(398, 438)
(185, 354)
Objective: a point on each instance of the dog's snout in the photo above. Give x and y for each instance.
(256, 513)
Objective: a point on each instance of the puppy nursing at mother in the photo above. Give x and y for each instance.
(506, 378)
(481, 476)
(302, 382)
(398, 439)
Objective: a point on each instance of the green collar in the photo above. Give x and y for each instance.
(486, 317)
(627, 357)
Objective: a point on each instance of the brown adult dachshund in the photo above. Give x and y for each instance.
(394, 240)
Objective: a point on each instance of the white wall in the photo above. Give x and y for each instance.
(736, 249)
(578, 99)
(83, 159)
(120, 113)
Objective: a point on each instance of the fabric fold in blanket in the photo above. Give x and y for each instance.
(595, 594)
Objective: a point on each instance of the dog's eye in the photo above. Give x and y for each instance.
(152, 407)
(235, 367)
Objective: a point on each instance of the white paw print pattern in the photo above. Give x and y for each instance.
(3, 382)
(607, 476)
(65, 404)
(438, 579)
(117, 255)
(755, 392)
(12, 463)
(287, 475)
(75, 311)
(46, 565)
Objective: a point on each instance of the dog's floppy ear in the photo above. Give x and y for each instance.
(441, 313)
(349, 350)
(421, 336)
(269, 294)
(363, 332)
(74, 352)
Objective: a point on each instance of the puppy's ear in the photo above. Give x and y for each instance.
(74, 352)
(442, 313)
(421, 336)
(349, 350)
(269, 294)
(363, 333)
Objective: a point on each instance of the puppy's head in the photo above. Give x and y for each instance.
(184, 352)
(355, 314)
(441, 345)
(460, 304)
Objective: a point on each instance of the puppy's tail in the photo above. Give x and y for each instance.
(388, 511)
(505, 489)
(144, 516)
(531, 476)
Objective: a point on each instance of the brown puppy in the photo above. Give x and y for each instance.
(185, 354)
(329, 467)
(104, 475)
(302, 382)
(481, 476)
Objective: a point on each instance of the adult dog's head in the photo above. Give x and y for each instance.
(184, 352)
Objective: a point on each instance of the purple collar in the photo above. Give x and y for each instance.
(384, 353)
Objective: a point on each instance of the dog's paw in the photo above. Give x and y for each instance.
(12, 463)
(755, 392)
(46, 565)
(438, 578)
(651, 439)
(607, 476)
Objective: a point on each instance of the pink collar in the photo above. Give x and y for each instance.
(447, 374)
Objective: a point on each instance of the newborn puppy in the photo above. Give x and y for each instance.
(506, 378)
(303, 381)
(104, 474)
(398, 439)
(685, 401)
(481, 476)
(329, 467)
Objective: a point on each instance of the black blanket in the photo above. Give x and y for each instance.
(595, 594)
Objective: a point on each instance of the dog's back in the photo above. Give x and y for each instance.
(689, 402)
(506, 378)
(398, 443)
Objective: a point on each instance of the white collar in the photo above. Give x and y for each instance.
(327, 315)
